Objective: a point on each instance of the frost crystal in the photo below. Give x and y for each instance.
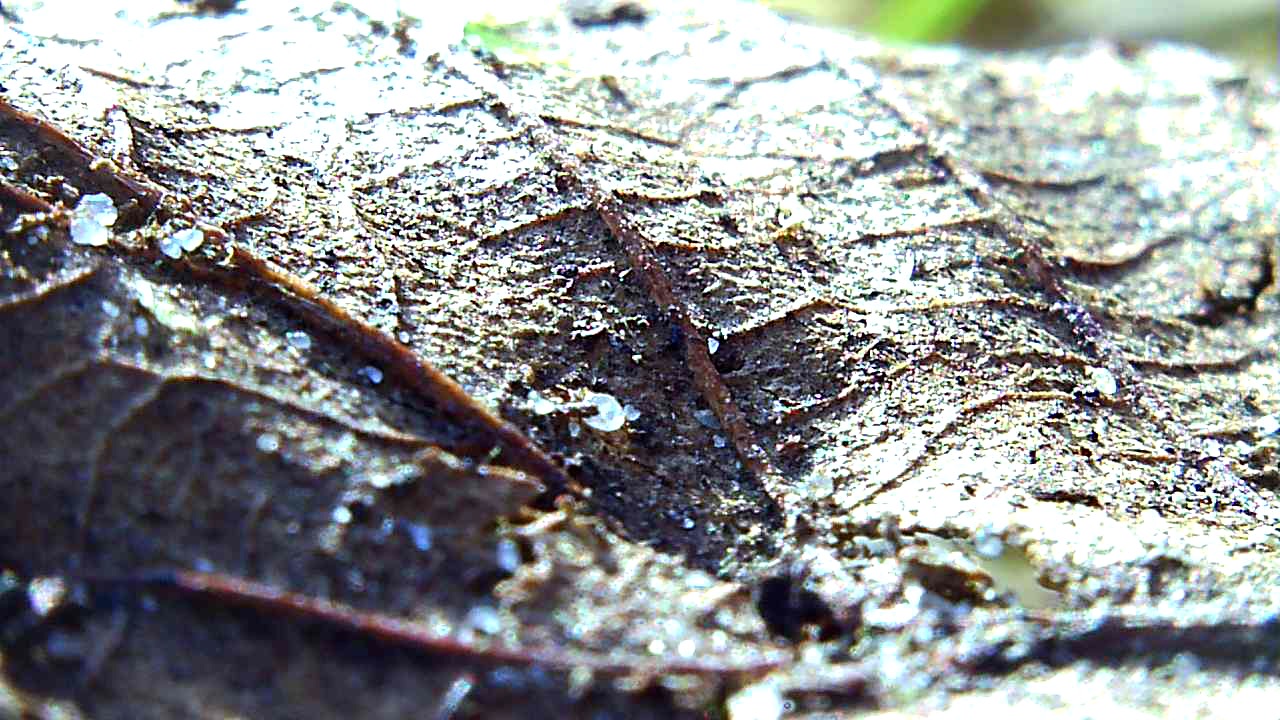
(92, 219)
(609, 415)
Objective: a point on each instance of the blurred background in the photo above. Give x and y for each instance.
(1243, 29)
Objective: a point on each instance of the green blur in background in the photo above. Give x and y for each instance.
(1244, 29)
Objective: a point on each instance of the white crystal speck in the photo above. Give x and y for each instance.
(1103, 380)
(92, 219)
(298, 339)
(1268, 424)
(541, 405)
(268, 442)
(609, 415)
(707, 419)
(190, 239)
(171, 247)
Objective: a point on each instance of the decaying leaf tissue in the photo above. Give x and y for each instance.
(665, 360)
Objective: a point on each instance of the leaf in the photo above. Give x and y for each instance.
(891, 331)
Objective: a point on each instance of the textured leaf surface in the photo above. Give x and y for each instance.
(947, 365)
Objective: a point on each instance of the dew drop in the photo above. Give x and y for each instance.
(141, 327)
(110, 309)
(631, 412)
(713, 345)
(707, 419)
(370, 373)
(341, 515)
(92, 219)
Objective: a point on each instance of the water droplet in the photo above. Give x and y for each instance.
(141, 327)
(341, 515)
(688, 524)
(111, 309)
(92, 219)
(370, 373)
(404, 336)
(631, 412)
(686, 648)
(574, 429)
(298, 339)
(712, 345)
(657, 646)
(609, 416)
(719, 441)
(1103, 380)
